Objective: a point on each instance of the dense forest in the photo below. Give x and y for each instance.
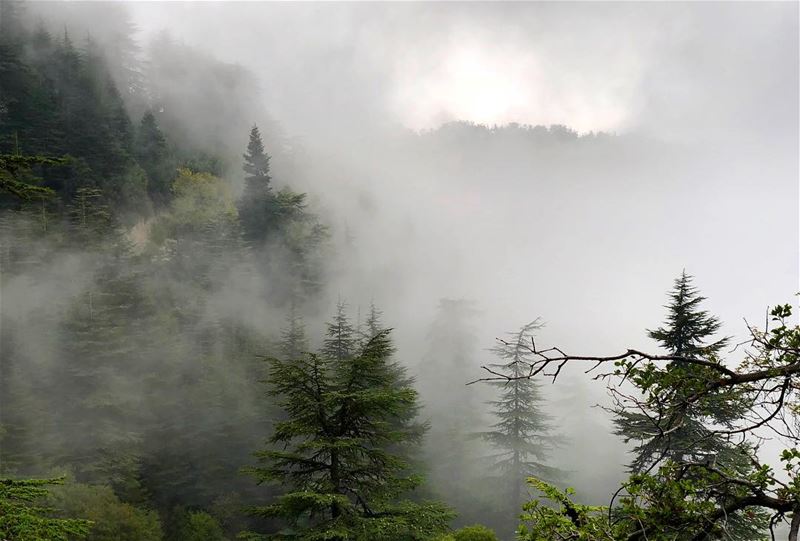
(180, 361)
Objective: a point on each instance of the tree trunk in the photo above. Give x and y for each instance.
(335, 481)
(795, 524)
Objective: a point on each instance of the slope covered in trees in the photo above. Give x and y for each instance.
(161, 334)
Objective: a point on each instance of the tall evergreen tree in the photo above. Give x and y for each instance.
(332, 450)
(258, 207)
(522, 433)
(293, 338)
(373, 324)
(153, 156)
(689, 332)
(453, 454)
(340, 337)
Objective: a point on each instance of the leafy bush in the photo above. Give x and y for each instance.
(113, 520)
(198, 526)
(474, 533)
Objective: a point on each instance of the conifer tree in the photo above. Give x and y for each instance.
(152, 154)
(340, 338)
(452, 452)
(689, 332)
(522, 433)
(256, 165)
(373, 325)
(293, 338)
(332, 450)
(23, 519)
(258, 207)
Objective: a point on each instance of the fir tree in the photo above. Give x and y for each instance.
(452, 452)
(521, 434)
(258, 207)
(373, 325)
(256, 165)
(293, 338)
(22, 519)
(689, 332)
(332, 450)
(689, 328)
(340, 338)
(152, 154)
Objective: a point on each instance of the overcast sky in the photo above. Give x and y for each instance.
(670, 68)
(707, 93)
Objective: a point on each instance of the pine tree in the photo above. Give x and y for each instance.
(689, 332)
(332, 450)
(19, 88)
(294, 342)
(373, 325)
(153, 156)
(256, 165)
(258, 206)
(452, 452)
(23, 519)
(521, 434)
(340, 338)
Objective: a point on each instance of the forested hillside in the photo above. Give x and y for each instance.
(213, 330)
(136, 378)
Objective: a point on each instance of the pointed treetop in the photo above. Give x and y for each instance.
(373, 325)
(688, 328)
(340, 341)
(293, 338)
(256, 161)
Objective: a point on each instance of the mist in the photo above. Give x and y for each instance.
(497, 162)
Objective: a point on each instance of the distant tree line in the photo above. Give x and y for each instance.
(133, 396)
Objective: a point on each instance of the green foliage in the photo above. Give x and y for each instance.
(278, 226)
(153, 155)
(23, 518)
(258, 208)
(92, 223)
(127, 363)
(688, 328)
(340, 338)
(256, 164)
(333, 450)
(200, 199)
(667, 430)
(294, 342)
(452, 451)
(561, 518)
(685, 498)
(521, 436)
(17, 179)
(112, 520)
(474, 533)
(196, 526)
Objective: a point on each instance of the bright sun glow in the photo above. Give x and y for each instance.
(482, 89)
(496, 85)
(466, 84)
